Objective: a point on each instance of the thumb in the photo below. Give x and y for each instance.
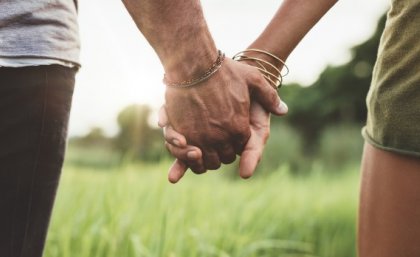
(251, 156)
(177, 171)
(267, 96)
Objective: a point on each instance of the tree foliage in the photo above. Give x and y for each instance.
(136, 138)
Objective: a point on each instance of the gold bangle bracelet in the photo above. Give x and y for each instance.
(269, 54)
(274, 79)
(260, 61)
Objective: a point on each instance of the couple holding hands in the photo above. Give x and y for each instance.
(216, 108)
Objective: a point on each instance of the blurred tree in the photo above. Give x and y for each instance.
(136, 138)
(94, 150)
(95, 135)
(337, 96)
(94, 138)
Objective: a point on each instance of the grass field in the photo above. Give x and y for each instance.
(136, 212)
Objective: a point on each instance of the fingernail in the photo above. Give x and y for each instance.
(192, 155)
(283, 109)
(176, 142)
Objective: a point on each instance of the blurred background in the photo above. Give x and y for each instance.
(114, 199)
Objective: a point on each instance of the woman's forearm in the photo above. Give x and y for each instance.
(290, 24)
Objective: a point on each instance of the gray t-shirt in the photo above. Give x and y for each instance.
(39, 28)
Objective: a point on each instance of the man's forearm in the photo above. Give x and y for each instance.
(177, 31)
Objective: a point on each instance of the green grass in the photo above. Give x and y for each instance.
(136, 212)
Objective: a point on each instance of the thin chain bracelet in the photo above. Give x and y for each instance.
(207, 74)
(274, 79)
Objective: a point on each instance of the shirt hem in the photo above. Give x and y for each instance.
(76, 62)
(371, 141)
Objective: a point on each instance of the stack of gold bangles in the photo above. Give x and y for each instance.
(274, 79)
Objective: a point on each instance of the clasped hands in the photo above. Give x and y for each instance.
(222, 117)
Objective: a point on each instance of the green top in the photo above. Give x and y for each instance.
(394, 98)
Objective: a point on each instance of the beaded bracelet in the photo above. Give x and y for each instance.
(206, 74)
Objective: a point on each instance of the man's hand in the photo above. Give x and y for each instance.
(190, 156)
(214, 115)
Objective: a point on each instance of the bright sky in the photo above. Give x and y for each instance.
(120, 68)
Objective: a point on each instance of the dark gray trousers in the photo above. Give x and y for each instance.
(34, 111)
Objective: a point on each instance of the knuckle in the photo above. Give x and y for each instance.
(212, 164)
(197, 170)
(228, 159)
(211, 159)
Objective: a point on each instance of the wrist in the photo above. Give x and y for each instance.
(188, 53)
(190, 61)
(268, 58)
(267, 63)
(197, 79)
